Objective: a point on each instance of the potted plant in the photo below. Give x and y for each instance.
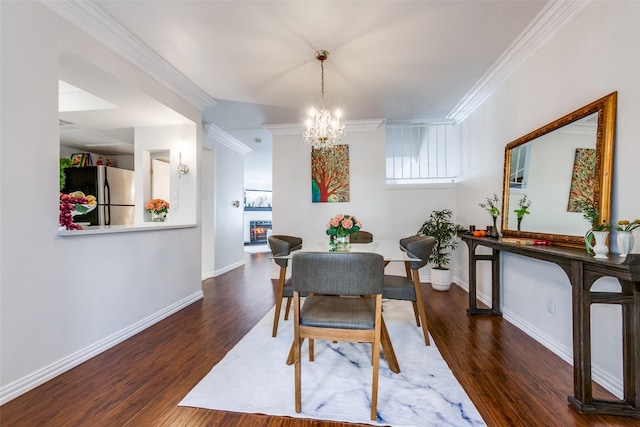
(599, 230)
(440, 227)
(625, 238)
(491, 206)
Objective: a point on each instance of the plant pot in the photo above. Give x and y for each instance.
(440, 279)
(600, 249)
(625, 242)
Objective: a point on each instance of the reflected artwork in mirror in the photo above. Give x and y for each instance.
(554, 167)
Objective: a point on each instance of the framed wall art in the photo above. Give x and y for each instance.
(330, 174)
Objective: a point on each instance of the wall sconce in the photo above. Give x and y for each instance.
(182, 168)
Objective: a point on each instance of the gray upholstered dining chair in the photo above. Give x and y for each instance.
(408, 288)
(343, 303)
(282, 245)
(361, 237)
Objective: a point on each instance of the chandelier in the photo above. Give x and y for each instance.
(322, 131)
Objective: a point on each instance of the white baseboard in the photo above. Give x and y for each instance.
(33, 380)
(602, 377)
(228, 268)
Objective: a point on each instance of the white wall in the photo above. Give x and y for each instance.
(64, 299)
(208, 212)
(388, 214)
(228, 222)
(594, 56)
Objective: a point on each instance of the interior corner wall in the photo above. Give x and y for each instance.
(592, 57)
(388, 214)
(65, 299)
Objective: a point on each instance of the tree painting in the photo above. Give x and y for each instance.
(583, 178)
(330, 174)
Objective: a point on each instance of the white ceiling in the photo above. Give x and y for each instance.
(399, 60)
(404, 61)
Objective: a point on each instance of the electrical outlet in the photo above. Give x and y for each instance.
(551, 305)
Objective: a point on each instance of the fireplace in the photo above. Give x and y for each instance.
(258, 231)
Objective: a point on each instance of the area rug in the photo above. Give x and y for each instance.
(254, 378)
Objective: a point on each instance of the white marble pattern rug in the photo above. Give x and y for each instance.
(254, 378)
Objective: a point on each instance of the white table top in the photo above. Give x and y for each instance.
(389, 249)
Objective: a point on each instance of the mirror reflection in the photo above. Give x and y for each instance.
(548, 171)
(542, 170)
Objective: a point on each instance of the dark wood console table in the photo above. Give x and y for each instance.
(583, 270)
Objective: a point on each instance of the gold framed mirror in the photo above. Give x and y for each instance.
(555, 166)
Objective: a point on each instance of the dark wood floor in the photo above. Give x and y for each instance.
(512, 380)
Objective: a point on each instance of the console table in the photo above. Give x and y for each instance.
(583, 270)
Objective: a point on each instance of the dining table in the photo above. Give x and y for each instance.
(391, 251)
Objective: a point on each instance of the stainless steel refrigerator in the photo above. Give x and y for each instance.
(113, 189)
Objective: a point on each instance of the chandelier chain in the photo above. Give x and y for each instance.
(322, 80)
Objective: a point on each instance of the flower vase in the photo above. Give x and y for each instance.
(519, 222)
(342, 244)
(494, 229)
(158, 217)
(600, 249)
(625, 242)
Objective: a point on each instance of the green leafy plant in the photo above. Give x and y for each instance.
(524, 205)
(591, 214)
(440, 227)
(491, 205)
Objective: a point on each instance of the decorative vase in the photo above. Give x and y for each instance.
(158, 217)
(625, 242)
(494, 229)
(342, 244)
(600, 249)
(519, 222)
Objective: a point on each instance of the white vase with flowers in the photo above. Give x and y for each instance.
(625, 235)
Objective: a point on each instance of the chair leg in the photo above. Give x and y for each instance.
(312, 356)
(376, 359)
(407, 269)
(287, 309)
(415, 313)
(290, 356)
(420, 304)
(387, 348)
(296, 353)
(279, 291)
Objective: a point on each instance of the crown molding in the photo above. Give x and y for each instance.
(95, 22)
(222, 137)
(554, 17)
(350, 126)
